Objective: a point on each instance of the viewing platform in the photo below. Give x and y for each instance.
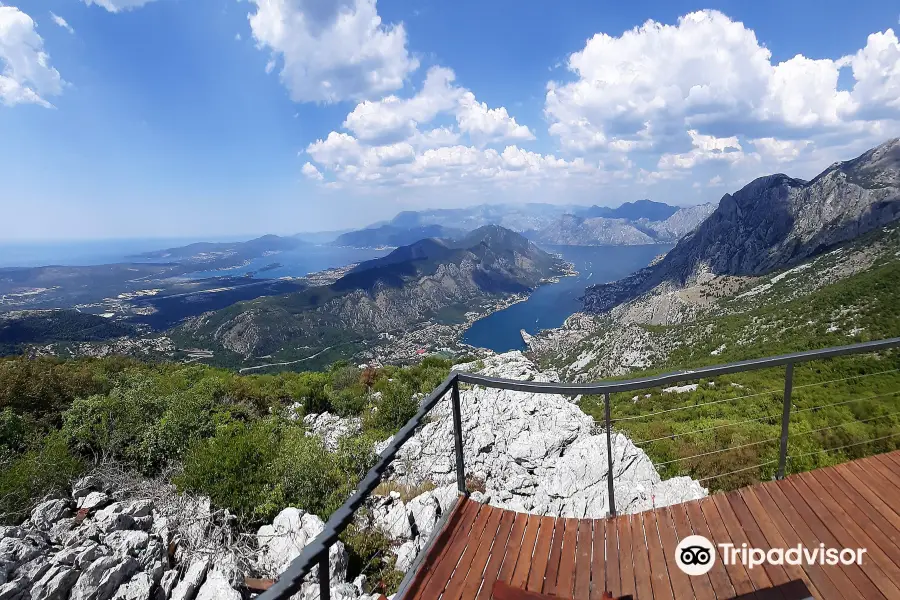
(484, 552)
(852, 505)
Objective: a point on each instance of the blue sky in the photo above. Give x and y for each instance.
(137, 118)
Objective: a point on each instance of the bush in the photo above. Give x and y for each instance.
(119, 426)
(369, 552)
(395, 407)
(234, 468)
(26, 479)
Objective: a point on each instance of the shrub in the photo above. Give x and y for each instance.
(28, 478)
(369, 552)
(119, 425)
(395, 407)
(234, 468)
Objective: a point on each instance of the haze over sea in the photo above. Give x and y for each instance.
(550, 305)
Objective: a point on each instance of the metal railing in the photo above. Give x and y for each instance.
(316, 553)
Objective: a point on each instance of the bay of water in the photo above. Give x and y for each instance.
(550, 305)
(297, 263)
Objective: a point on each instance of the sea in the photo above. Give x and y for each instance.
(550, 305)
(83, 253)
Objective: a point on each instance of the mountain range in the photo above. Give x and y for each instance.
(774, 222)
(430, 280)
(640, 222)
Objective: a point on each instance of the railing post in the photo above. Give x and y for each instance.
(609, 459)
(324, 576)
(785, 419)
(457, 438)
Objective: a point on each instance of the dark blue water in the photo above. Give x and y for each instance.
(550, 305)
(297, 263)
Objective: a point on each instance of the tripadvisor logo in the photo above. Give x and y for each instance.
(696, 555)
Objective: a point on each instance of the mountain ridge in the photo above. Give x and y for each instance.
(773, 222)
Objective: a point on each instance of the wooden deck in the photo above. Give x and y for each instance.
(856, 504)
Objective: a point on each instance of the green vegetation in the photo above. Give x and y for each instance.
(238, 439)
(864, 389)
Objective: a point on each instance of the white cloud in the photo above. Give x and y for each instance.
(115, 6)
(25, 72)
(715, 181)
(310, 171)
(393, 118)
(706, 148)
(237, 37)
(61, 22)
(332, 51)
(779, 150)
(710, 74)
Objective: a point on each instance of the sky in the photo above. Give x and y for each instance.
(181, 118)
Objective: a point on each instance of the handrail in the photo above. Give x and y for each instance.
(316, 552)
(630, 385)
(290, 581)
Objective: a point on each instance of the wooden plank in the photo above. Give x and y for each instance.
(565, 579)
(860, 579)
(809, 539)
(598, 560)
(476, 570)
(718, 576)
(457, 576)
(498, 552)
(583, 559)
(849, 535)
(886, 479)
(856, 488)
(625, 556)
(839, 503)
(526, 551)
(512, 548)
(885, 459)
(737, 573)
(643, 587)
(877, 485)
(755, 537)
(455, 528)
(737, 536)
(541, 555)
(773, 537)
(668, 537)
(659, 572)
(553, 559)
(761, 504)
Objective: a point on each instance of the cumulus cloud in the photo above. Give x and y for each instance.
(61, 22)
(309, 170)
(331, 51)
(115, 6)
(26, 76)
(704, 93)
(396, 140)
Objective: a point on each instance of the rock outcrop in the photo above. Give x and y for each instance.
(537, 453)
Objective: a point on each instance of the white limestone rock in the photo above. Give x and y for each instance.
(424, 510)
(93, 501)
(103, 577)
(127, 543)
(138, 588)
(284, 540)
(166, 585)
(331, 428)
(192, 580)
(45, 514)
(55, 584)
(535, 452)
